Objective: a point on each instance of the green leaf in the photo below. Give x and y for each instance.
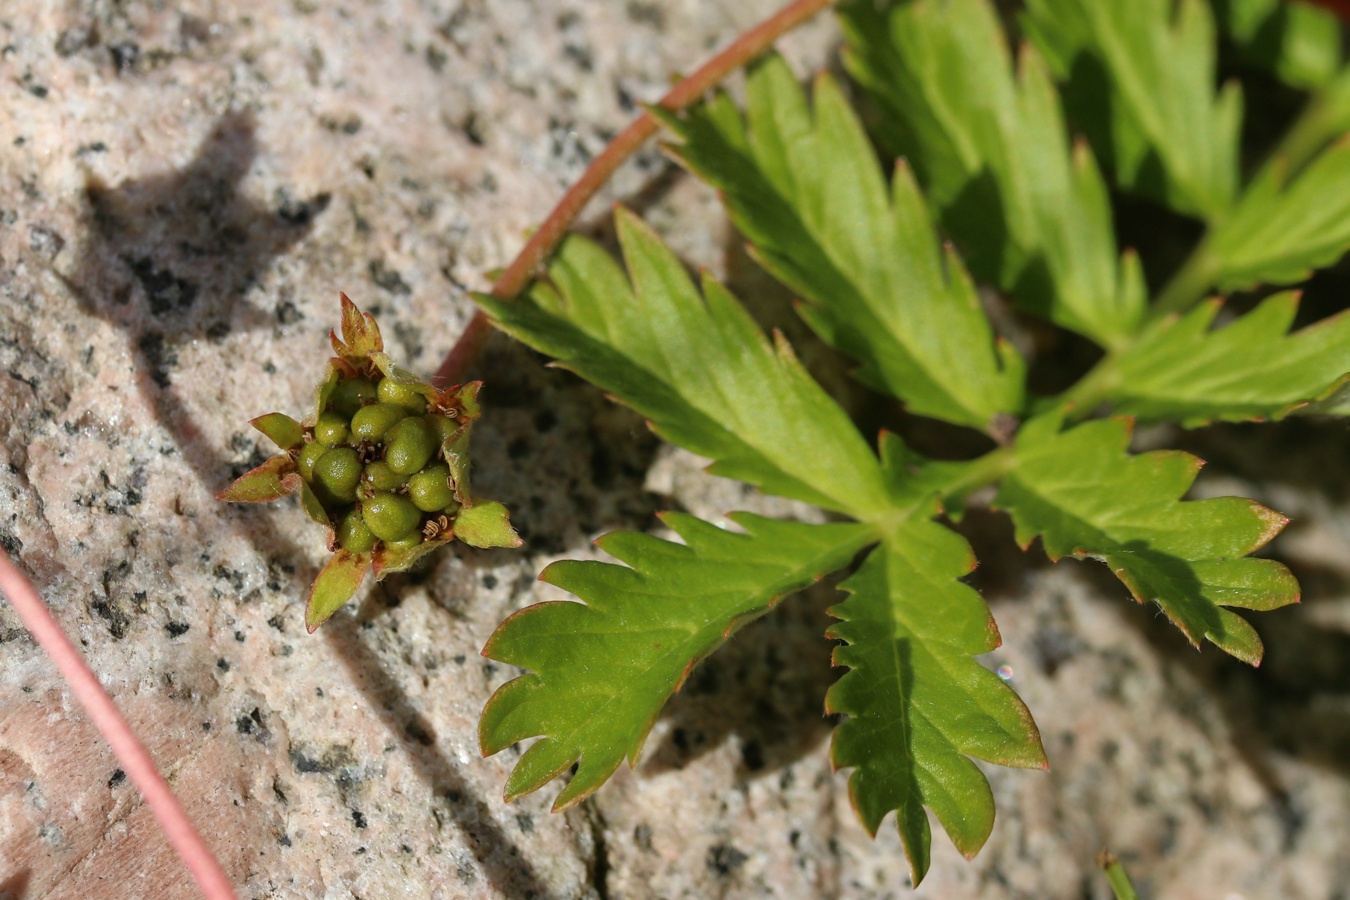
(602, 670)
(281, 429)
(1085, 496)
(1250, 369)
(262, 484)
(1280, 232)
(337, 581)
(1139, 78)
(807, 191)
(918, 704)
(989, 147)
(698, 367)
(1298, 43)
(486, 524)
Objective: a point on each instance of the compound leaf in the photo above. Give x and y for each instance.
(988, 143)
(1140, 79)
(804, 186)
(601, 671)
(1082, 493)
(918, 705)
(1280, 232)
(1249, 369)
(698, 367)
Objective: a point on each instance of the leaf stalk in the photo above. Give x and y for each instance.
(518, 275)
(1190, 284)
(1325, 118)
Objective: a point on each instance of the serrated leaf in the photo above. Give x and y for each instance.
(601, 671)
(1296, 42)
(1139, 78)
(281, 429)
(918, 704)
(486, 524)
(334, 586)
(989, 147)
(805, 188)
(698, 368)
(262, 484)
(1249, 369)
(1279, 233)
(1083, 495)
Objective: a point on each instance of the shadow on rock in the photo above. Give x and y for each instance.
(568, 463)
(15, 886)
(766, 686)
(170, 258)
(508, 871)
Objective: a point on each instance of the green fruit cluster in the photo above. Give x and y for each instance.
(373, 459)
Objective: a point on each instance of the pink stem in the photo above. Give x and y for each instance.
(132, 755)
(518, 275)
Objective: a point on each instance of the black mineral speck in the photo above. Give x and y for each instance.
(161, 359)
(388, 278)
(223, 664)
(75, 39)
(358, 818)
(116, 619)
(118, 776)
(725, 859)
(176, 629)
(288, 313)
(166, 291)
(300, 212)
(525, 822)
(124, 55)
(45, 241)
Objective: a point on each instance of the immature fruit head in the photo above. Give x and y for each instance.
(382, 463)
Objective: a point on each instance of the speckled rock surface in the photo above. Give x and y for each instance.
(182, 193)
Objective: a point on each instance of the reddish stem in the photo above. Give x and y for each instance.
(130, 753)
(1339, 7)
(522, 270)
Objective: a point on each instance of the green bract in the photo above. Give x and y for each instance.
(374, 430)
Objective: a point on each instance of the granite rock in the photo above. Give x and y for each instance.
(183, 190)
